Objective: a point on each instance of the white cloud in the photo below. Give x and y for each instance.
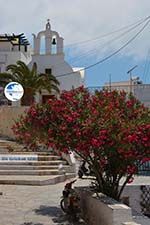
(77, 20)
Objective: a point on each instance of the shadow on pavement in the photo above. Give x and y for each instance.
(56, 214)
(52, 211)
(30, 223)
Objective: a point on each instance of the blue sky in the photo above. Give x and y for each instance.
(81, 20)
(117, 68)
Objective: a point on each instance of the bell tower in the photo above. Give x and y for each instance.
(50, 59)
(53, 41)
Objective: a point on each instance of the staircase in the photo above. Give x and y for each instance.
(45, 168)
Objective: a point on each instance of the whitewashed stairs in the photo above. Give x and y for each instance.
(46, 170)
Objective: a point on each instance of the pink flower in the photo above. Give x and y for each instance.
(132, 138)
(145, 160)
(131, 180)
(96, 142)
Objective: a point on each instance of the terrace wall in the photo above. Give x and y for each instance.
(8, 115)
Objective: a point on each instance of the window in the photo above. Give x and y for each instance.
(48, 71)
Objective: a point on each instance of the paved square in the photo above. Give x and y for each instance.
(38, 205)
(32, 205)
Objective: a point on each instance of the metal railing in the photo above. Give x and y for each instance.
(144, 169)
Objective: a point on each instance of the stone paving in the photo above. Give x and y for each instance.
(37, 205)
(33, 205)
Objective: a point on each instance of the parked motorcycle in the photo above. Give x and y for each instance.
(70, 201)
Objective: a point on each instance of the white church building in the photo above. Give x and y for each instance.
(51, 60)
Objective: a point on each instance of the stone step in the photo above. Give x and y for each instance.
(19, 146)
(28, 167)
(35, 180)
(42, 157)
(3, 143)
(31, 172)
(11, 145)
(48, 157)
(26, 153)
(44, 171)
(2, 151)
(35, 163)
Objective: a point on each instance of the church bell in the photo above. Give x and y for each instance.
(54, 41)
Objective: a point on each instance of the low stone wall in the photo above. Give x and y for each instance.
(8, 114)
(138, 196)
(102, 210)
(130, 223)
(134, 193)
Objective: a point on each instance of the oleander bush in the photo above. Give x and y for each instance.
(110, 130)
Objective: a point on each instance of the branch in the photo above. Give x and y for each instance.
(124, 184)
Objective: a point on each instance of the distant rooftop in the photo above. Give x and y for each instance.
(18, 39)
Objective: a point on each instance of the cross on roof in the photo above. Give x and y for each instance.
(48, 26)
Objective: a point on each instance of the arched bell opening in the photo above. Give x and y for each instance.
(42, 45)
(54, 45)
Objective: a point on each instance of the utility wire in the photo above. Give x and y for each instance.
(85, 54)
(110, 41)
(114, 53)
(108, 34)
(105, 35)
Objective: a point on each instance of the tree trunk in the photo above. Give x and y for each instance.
(28, 97)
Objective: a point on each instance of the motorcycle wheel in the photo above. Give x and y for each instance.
(63, 206)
